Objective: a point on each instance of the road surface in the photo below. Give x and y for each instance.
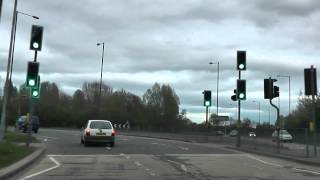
(141, 158)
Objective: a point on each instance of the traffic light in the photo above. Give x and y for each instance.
(32, 74)
(270, 91)
(234, 97)
(310, 81)
(36, 38)
(35, 91)
(241, 89)
(276, 92)
(207, 98)
(241, 60)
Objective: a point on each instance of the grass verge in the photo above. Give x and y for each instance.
(18, 137)
(10, 153)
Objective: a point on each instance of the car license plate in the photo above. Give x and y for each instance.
(100, 134)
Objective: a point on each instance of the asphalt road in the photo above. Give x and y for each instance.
(141, 158)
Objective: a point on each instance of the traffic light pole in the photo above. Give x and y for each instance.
(277, 125)
(314, 113)
(31, 107)
(207, 124)
(239, 123)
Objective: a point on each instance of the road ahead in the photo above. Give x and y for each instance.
(140, 158)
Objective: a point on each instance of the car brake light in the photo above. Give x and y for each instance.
(88, 131)
(113, 133)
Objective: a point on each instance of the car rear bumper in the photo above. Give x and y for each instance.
(99, 139)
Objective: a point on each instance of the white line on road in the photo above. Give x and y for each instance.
(264, 162)
(308, 171)
(182, 166)
(184, 148)
(137, 163)
(48, 137)
(44, 171)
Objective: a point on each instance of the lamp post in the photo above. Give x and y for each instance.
(6, 89)
(259, 109)
(217, 63)
(14, 37)
(289, 79)
(98, 44)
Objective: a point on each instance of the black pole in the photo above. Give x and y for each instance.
(277, 125)
(29, 129)
(314, 111)
(239, 123)
(207, 124)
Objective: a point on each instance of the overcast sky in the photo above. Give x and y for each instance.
(171, 42)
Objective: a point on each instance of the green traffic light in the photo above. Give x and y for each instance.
(35, 45)
(31, 82)
(241, 95)
(35, 93)
(241, 66)
(207, 103)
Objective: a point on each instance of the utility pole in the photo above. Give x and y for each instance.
(1, 1)
(6, 86)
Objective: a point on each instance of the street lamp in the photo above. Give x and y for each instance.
(98, 44)
(14, 36)
(259, 109)
(217, 63)
(289, 78)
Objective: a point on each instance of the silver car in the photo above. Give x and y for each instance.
(98, 131)
(284, 136)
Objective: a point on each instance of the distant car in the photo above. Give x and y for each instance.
(284, 136)
(252, 134)
(22, 124)
(98, 131)
(233, 133)
(219, 133)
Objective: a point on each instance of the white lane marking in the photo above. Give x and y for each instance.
(147, 169)
(121, 154)
(124, 139)
(308, 171)
(206, 155)
(152, 174)
(264, 162)
(182, 166)
(45, 140)
(137, 163)
(44, 171)
(48, 137)
(154, 143)
(184, 148)
(109, 148)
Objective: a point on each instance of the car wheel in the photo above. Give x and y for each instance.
(112, 144)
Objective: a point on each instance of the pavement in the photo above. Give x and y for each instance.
(145, 158)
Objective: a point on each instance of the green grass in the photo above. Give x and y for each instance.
(18, 137)
(10, 153)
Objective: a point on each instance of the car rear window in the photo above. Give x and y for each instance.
(100, 125)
